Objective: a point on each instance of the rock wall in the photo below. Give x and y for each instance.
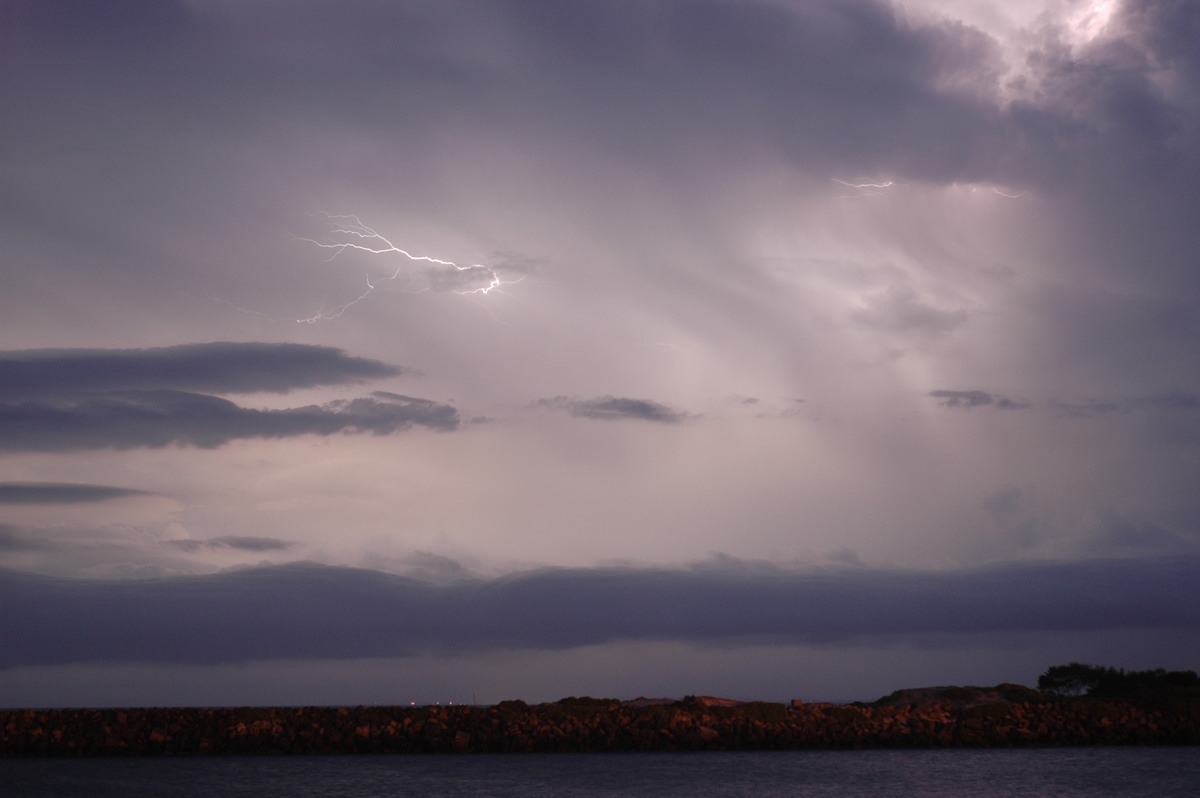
(512, 726)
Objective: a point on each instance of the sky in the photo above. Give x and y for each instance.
(463, 350)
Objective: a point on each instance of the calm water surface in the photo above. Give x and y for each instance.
(1059, 772)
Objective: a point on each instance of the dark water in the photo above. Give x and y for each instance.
(1059, 772)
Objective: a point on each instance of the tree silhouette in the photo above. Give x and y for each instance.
(1092, 680)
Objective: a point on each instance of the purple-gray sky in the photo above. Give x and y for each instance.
(368, 352)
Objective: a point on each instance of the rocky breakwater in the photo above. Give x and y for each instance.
(601, 725)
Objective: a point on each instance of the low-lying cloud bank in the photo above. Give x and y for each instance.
(307, 611)
(70, 399)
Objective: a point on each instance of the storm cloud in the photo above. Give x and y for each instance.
(918, 215)
(308, 611)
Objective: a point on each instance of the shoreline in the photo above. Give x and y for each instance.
(595, 725)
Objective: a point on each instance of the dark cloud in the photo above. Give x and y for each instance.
(60, 493)
(131, 419)
(218, 368)
(613, 408)
(63, 400)
(239, 542)
(855, 87)
(838, 86)
(970, 399)
(308, 611)
(860, 84)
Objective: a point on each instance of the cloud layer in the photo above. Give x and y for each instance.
(307, 611)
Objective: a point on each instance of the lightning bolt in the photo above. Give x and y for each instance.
(891, 183)
(886, 184)
(349, 233)
(867, 189)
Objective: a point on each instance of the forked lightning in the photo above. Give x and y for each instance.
(348, 232)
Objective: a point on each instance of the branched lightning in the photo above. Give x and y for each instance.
(349, 233)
